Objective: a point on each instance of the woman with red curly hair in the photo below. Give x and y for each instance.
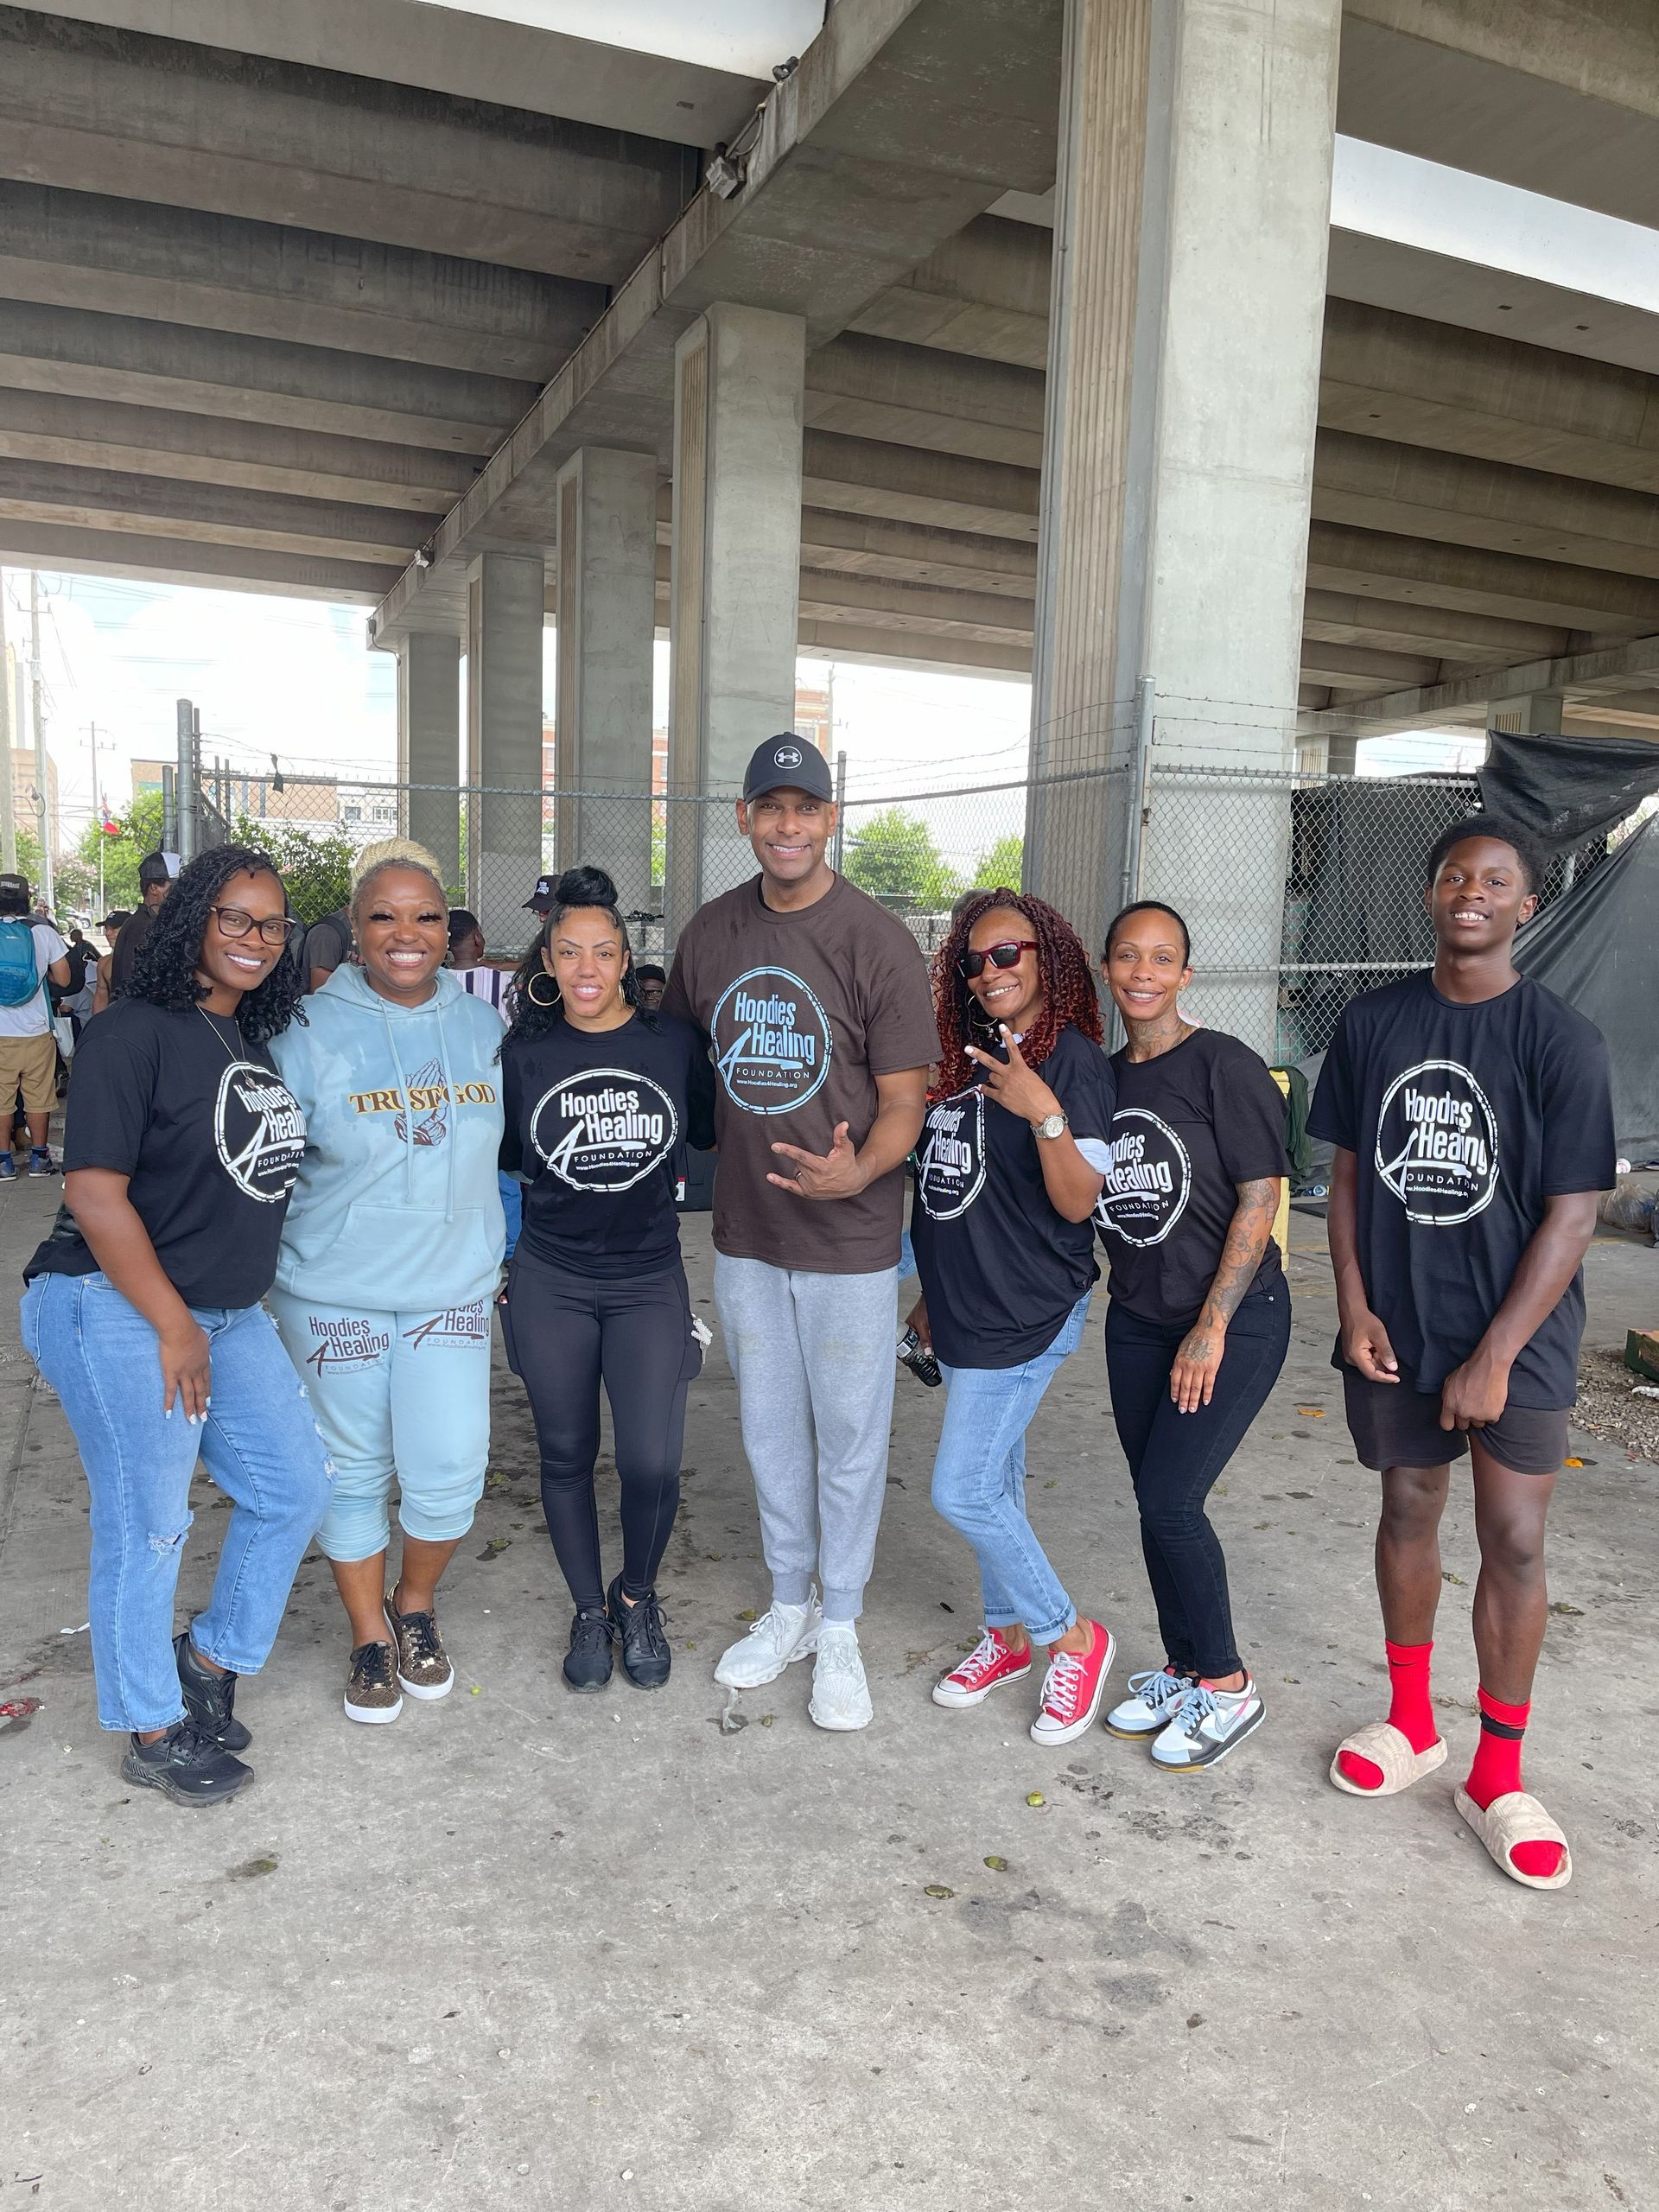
(1010, 1161)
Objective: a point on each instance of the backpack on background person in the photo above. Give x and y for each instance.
(20, 976)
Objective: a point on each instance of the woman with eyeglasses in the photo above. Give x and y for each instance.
(1007, 1168)
(1200, 1321)
(602, 1097)
(389, 1266)
(142, 1311)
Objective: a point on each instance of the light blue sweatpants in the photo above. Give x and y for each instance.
(402, 1395)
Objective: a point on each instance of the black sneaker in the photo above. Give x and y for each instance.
(39, 1162)
(645, 1656)
(186, 1766)
(588, 1663)
(208, 1698)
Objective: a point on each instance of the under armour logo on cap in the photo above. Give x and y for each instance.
(788, 762)
(786, 756)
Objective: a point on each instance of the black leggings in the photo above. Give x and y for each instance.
(565, 1332)
(1175, 1459)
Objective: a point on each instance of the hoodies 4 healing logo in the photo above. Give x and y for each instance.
(258, 1131)
(772, 1041)
(1437, 1144)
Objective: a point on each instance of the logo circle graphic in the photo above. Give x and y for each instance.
(950, 1156)
(786, 756)
(772, 1041)
(1437, 1144)
(258, 1131)
(1149, 1181)
(604, 1129)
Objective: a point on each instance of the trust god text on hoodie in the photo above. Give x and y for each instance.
(396, 1206)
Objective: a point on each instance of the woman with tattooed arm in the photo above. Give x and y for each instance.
(1200, 1321)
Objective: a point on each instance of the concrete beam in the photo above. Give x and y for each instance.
(194, 126)
(207, 450)
(471, 56)
(861, 476)
(120, 551)
(985, 292)
(1563, 100)
(107, 356)
(915, 649)
(1420, 383)
(864, 387)
(1469, 578)
(1576, 675)
(88, 499)
(1359, 668)
(1371, 485)
(866, 546)
(213, 272)
(1352, 618)
(874, 603)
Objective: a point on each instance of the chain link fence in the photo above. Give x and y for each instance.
(1300, 888)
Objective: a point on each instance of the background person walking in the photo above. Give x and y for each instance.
(32, 955)
(1007, 1169)
(817, 1006)
(1200, 1321)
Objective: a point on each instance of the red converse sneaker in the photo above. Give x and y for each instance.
(1072, 1689)
(990, 1663)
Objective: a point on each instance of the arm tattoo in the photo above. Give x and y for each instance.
(1247, 1240)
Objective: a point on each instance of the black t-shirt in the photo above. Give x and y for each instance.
(1463, 1120)
(208, 1135)
(1190, 1126)
(1000, 1268)
(327, 943)
(600, 1123)
(131, 941)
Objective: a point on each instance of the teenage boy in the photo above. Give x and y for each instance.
(154, 884)
(817, 1006)
(1472, 1119)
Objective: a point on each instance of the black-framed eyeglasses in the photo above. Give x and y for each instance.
(999, 956)
(237, 922)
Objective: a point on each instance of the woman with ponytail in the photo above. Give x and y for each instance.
(602, 1097)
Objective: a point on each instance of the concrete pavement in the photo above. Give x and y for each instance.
(523, 1949)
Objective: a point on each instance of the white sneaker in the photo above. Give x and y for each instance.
(1150, 1703)
(782, 1633)
(1206, 1726)
(840, 1696)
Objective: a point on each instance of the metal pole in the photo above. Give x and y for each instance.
(46, 885)
(8, 774)
(1145, 700)
(184, 780)
(98, 818)
(841, 804)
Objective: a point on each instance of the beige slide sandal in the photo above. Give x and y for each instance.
(1516, 1817)
(1382, 1743)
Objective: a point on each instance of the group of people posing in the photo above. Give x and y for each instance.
(283, 1236)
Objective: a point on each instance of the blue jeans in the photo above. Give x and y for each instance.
(259, 1443)
(979, 1482)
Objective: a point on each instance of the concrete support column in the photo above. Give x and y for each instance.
(607, 568)
(506, 593)
(1191, 213)
(429, 744)
(736, 588)
(1536, 714)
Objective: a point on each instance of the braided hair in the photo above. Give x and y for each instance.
(164, 973)
(1070, 999)
(577, 887)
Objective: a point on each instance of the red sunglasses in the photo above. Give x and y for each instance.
(999, 956)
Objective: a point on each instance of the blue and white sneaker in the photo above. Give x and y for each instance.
(8, 1168)
(1206, 1726)
(1151, 1702)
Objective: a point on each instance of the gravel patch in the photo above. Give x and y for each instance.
(1608, 1407)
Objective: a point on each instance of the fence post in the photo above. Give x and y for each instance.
(1145, 700)
(187, 782)
(841, 808)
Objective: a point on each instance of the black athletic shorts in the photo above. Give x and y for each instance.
(1394, 1425)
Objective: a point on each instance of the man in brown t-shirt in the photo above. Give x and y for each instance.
(820, 1021)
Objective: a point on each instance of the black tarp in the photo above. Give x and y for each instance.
(1566, 790)
(1597, 947)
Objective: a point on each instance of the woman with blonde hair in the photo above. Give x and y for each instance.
(389, 1264)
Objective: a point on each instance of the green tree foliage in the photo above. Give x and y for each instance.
(138, 831)
(1001, 863)
(316, 864)
(892, 856)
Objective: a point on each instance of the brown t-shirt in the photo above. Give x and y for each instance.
(803, 1011)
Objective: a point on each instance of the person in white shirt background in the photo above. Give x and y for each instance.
(32, 953)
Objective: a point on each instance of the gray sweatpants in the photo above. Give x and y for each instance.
(813, 1355)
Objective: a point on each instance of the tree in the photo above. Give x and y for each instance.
(1002, 862)
(894, 859)
(138, 831)
(316, 864)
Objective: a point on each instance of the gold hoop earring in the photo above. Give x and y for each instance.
(546, 1005)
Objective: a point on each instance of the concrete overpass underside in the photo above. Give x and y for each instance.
(323, 307)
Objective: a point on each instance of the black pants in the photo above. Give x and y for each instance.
(565, 1333)
(1175, 1459)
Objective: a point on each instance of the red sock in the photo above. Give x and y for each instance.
(1409, 1711)
(1496, 1771)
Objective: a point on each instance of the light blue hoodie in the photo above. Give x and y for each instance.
(396, 1208)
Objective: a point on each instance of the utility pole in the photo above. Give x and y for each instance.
(98, 816)
(8, 792)
(41, 814)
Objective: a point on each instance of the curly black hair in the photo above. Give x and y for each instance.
(1521, 840)
(577, 887)
(164, 973)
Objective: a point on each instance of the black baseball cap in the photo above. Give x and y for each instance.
(787, 762)
(540, 898)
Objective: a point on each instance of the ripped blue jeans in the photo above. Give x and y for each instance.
(259, 1442)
